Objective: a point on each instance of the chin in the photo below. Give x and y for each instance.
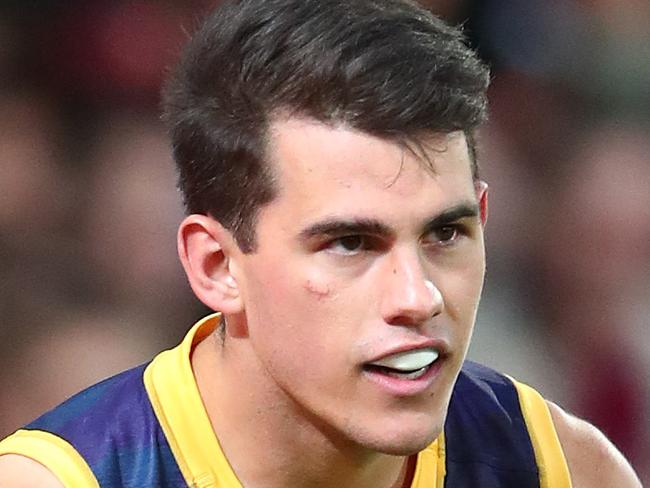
(403, 439)
(401, 447)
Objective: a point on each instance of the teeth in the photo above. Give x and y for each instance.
(409, 360)
(414, 375)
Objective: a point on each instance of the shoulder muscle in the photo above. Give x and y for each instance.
(21, 472)
(592, 459)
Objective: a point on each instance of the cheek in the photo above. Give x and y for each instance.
(295, 309)
(304, 332)
(320, 289)
(462, 289)
(298, 291)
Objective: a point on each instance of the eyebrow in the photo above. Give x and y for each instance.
(453, 214)
(355, 226)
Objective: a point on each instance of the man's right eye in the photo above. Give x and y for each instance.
(347, 245)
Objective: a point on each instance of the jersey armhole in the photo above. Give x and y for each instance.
(551, 462)
(54, 453)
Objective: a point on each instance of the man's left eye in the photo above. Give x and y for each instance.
(446, 234)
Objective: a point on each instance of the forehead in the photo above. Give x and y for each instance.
(324, 168)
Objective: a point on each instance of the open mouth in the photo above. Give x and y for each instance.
(407, 365)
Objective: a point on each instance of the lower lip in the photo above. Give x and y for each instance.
(403, 387)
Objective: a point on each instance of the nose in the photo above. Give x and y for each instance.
(409, 296)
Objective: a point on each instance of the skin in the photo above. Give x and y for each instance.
(21, 472)
(592, 459)
(322, 295)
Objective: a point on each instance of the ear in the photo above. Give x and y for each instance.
(481, 188)
(205, 248)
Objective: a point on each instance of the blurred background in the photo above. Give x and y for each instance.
(89, 279)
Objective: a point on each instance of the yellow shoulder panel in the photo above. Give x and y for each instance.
(552, 465)
(176, 400)
(54, 453)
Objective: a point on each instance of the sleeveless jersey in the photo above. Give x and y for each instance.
(147, 427)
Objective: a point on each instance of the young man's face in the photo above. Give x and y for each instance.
(365, 253)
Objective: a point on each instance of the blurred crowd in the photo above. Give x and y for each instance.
(89, 279)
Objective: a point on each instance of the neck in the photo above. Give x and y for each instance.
(269, 442)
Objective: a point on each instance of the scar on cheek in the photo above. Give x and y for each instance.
(321, 290)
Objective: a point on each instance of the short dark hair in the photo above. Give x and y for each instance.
(386, 67)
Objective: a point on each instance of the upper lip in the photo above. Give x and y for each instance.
(439, 345)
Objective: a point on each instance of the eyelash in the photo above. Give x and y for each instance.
(365, 244)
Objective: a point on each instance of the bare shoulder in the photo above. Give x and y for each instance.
(22, 472)
(593, 460)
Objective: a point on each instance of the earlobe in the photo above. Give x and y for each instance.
(204, 248)
(482, 197)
